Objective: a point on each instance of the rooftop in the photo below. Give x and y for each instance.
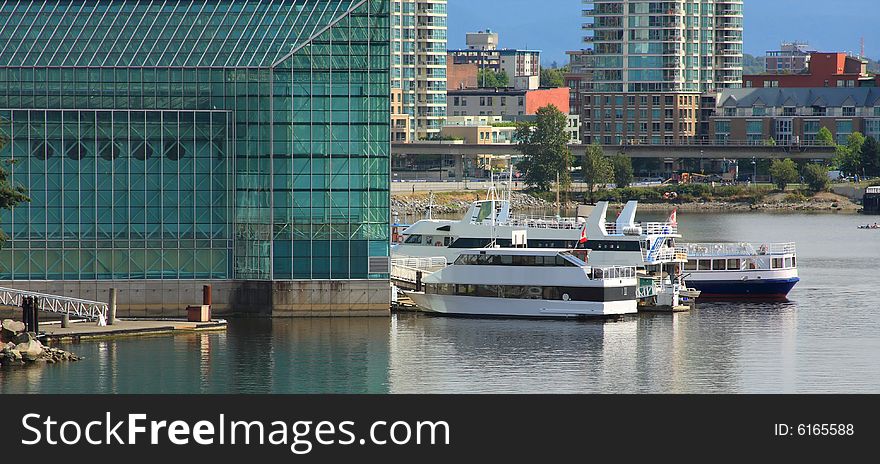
(809, 96)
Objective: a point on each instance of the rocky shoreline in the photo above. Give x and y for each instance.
(408, 204)
(18, 347)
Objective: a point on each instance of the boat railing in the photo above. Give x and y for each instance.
(613, 272)
(652, 228)
(420, 264)
(660, 228)
(665, 255)
(543, 223)
(702, 250)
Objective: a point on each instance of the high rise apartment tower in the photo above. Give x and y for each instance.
(666, 52)
(418, 63)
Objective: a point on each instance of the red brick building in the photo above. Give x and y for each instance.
(825, 70)
(461, 75)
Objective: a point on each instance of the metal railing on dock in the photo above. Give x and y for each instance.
(86, 309)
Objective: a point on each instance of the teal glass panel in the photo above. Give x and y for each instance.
(153, 146)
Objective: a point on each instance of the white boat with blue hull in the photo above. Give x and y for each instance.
(737, 271)
(523, 282)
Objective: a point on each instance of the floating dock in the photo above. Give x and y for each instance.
(121, 328)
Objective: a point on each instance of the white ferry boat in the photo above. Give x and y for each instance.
(623, 242)
(726, 271)
(527, 282)
(650, 247)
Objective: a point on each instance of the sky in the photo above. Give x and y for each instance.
(554, 26)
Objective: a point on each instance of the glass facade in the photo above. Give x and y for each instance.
(230, 139)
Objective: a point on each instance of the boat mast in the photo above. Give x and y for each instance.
(558, 205)
(429, 214)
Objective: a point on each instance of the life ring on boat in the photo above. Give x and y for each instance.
(438, 244)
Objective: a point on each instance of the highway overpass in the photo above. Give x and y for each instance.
(695, 151)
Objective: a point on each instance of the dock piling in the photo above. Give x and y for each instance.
(111, 308)
(65, 320)
(35, 319)
(26, 313)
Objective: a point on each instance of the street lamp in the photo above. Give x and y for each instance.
(755, 175)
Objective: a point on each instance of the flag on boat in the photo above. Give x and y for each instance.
(583, 234)
(673, 218)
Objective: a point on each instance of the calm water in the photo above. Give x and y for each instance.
(827, 339)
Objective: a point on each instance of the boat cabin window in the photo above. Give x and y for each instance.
(704, 265)
(447, 241)
(429, 239)
(521, 292)
(719, 264)
(733, 264)
(513, 260)
(776, 263)
(691, 265)
(788, 262)
(415, 238)
(794, 261)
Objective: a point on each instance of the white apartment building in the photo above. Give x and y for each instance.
(418, 63)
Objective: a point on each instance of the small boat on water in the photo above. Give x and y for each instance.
(524, 282)
(870, 226)
(735, 271)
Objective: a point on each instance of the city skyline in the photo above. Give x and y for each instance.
(840, 31)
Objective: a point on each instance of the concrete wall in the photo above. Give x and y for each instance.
(169, 298)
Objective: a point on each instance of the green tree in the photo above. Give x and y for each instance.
(871, 157)
(816, 177)
(10, 195)
(488, 78)
(825, 138)
(849, 157)
(597, 169)
(544, 145)
(552, 77)
(623, 171)
(784, 172)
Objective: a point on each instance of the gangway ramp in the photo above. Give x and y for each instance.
(407, 273)
(73, 307)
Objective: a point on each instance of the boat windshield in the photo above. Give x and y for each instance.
(573, 258)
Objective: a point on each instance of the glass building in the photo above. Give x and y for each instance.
(228, 141)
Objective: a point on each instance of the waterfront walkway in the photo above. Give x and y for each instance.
(127, 327)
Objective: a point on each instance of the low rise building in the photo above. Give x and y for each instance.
(791, 58)
(794, 116)
(505, 102)
(572, 125)
(823, 70)
(481, 130)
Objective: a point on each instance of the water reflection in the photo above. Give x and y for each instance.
(430, 354)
